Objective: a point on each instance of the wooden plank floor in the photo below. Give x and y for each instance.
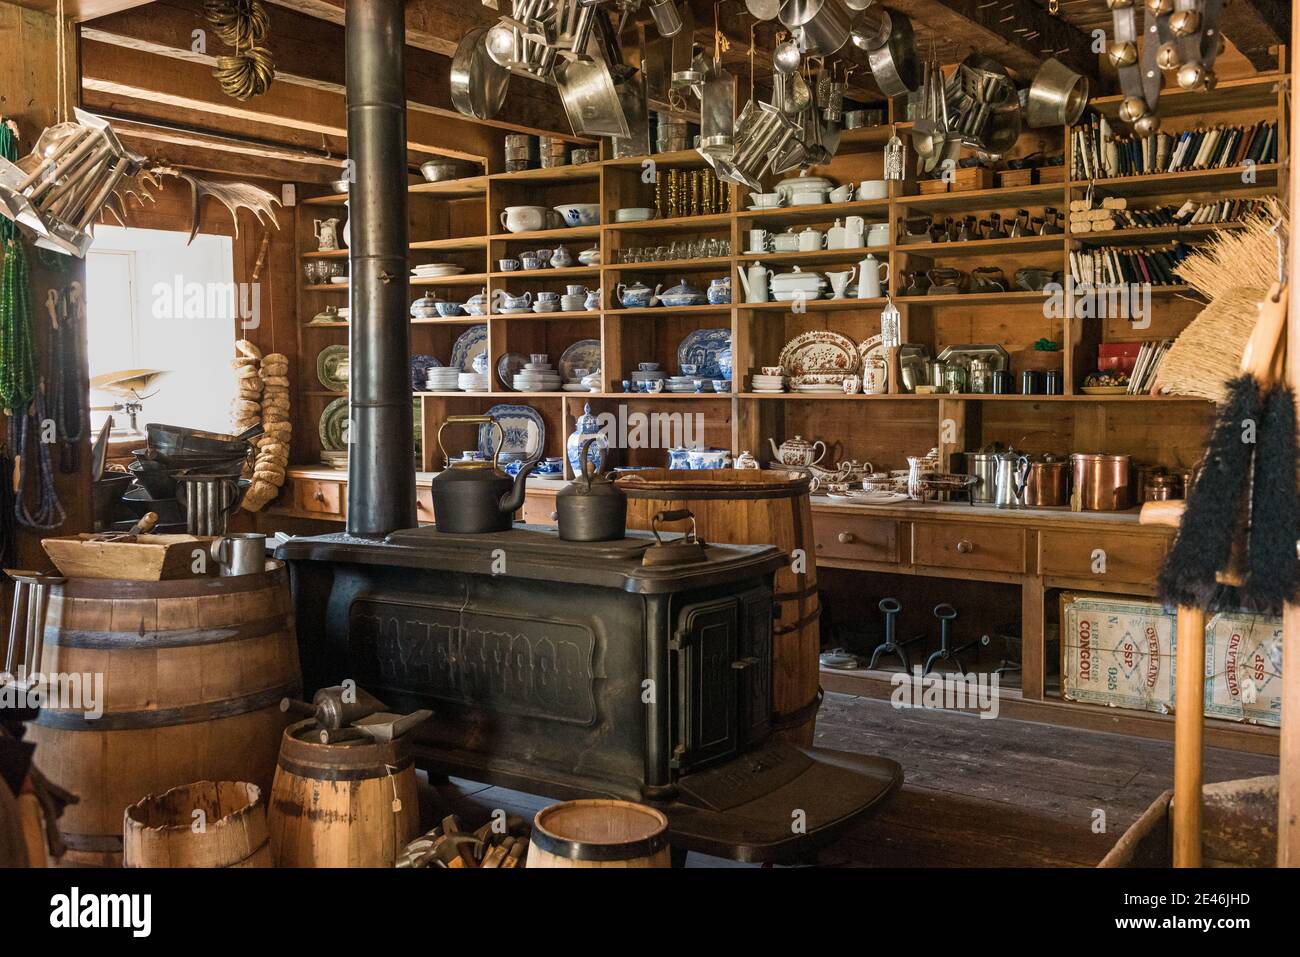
(977, 792)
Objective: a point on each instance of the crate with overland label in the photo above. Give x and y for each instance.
(1117, 651)
(1243, 655)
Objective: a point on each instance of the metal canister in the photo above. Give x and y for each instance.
(1161, 488)
(1029, 382)
(1053, 383)
(981, 376)
(1002, 382)
(984, 466)
(1104, 482)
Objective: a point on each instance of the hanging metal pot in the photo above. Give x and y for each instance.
(478, 83)
(894, 63)
(822, 26)
(1057, 96)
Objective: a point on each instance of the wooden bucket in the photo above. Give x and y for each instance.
(348, 804)
(165, 830)
(192, 676)
(751, 507)
(599, 833)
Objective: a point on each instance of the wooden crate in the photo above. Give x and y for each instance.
(1015, 177)
(147, 558)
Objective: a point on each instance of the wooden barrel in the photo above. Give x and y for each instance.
(347, 804)
(206, 824)
(192, 675)
(751, 507)
(599, 833)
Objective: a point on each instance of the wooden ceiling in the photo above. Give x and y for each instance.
(137, 63)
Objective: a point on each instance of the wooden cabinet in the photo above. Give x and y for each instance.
(321, 497)
(539, 508)
(983, 547)
(855, 537)
(1101, 556)
(424, 506)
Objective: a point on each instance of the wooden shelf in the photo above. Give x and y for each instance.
(669, 312)
(713, 264)
(1192, 180)
(676, 224)
(818, 256)
(1143, 235)
(1255, 92)
(587, 172)
(452, 244)
(1004, 197)
(986, 247)
(544, 235)
(557, 314)
(819, 213)
(559, 272)
(814, 305)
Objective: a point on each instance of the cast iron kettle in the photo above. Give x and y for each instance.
(476, 497)
(591, 508)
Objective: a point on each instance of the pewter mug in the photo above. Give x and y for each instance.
(242, 553)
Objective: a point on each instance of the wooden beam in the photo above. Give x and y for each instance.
(121, 74)
(309, 51)
(1018, 33)
(78, 10)
(246, 161)
(1256, 28)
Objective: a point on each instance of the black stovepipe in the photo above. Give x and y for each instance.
(381, 474)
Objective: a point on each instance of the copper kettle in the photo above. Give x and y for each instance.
(1048, 483)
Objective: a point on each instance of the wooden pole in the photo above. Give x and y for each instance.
(1189, 727)
(1288, 823)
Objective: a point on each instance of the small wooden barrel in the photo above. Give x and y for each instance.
(191, 674)
(207, 824)
(751, 507)
(599, 833)
(348, 804)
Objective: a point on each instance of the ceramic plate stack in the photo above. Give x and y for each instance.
(436, 270)
(767, 383)
(819, 361)
(537, 377)
(686, 383)
(472, 381)
(443, 379)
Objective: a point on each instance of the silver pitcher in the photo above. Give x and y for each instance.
(1009, 483)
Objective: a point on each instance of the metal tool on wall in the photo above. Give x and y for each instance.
(717, 106)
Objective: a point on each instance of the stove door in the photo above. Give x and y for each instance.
(723, 692)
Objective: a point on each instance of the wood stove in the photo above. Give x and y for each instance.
(573, 670)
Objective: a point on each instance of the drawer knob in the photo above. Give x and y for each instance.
(419, 506)
(555, 516)
(319, 496)
(965, 547)
(846, 538)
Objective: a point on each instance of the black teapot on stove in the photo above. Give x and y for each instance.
(472, 496)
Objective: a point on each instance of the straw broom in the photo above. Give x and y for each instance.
(1235, 271)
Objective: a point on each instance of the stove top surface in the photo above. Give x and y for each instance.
(537, 552)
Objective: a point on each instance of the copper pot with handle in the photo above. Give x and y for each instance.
(1104, 483)
(1048, 483)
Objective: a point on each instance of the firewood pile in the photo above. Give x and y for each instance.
(496, 844)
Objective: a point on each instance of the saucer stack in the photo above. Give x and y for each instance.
(443, 379)
(537, 377)
(472, 381)
(436, 270)
(767, 383)
(685, 383)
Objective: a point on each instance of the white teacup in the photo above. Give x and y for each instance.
(842, 194)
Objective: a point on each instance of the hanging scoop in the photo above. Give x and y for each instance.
(679, 551)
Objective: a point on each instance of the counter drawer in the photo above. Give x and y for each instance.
(855, 537)
(1128, 558)
(539, 509)
(983, 547)
(321, 497)
(423, 506)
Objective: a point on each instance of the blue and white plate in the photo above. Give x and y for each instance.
(508, 366)
(583, 354)
(703, 348)
(420, 366)
(525, 432)
(471, 342)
